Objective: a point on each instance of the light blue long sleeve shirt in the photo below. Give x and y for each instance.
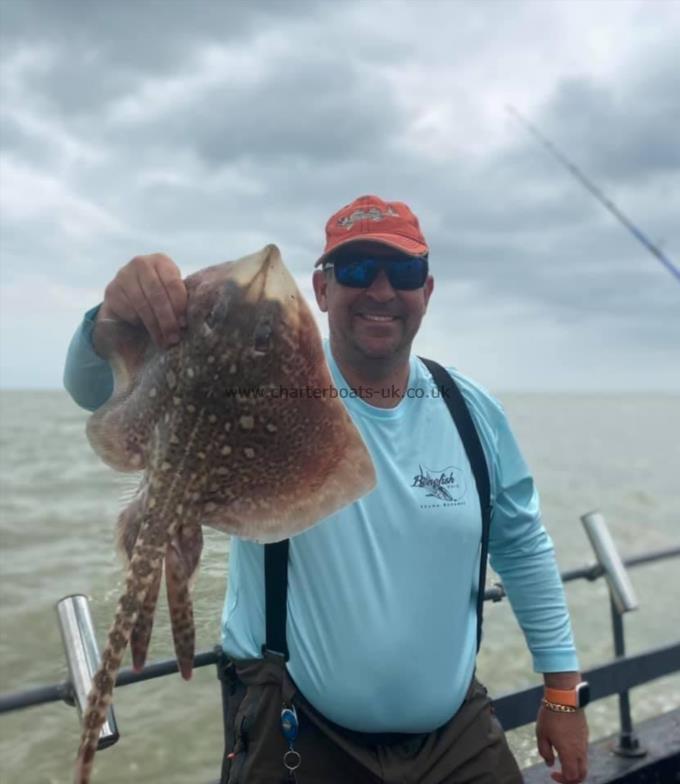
(382, 594)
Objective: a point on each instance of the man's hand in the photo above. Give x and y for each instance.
(566, 734)
(148, 290)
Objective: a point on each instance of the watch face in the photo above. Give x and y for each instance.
(583, 694)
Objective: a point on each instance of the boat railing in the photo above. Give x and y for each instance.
(515, 709)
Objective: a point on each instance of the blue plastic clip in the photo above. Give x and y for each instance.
(289, 724)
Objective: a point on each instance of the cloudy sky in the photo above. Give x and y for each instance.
(207, 129)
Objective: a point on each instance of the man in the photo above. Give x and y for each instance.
(380, 635)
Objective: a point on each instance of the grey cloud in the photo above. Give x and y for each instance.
(313, 111)
(624, 134)
(530, 230)
(15, 138)
(103, 49)
(314, 105)
(149, 35)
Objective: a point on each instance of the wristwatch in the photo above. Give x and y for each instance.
(567, 699)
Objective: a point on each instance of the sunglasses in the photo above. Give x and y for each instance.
(405, 273)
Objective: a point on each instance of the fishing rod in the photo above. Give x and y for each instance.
(596, 192)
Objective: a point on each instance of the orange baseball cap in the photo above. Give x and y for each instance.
(370, 218)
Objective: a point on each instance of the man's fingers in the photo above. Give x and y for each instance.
(562, 779)
(570, 770)
(149, 289)
(177, 294)
(157, 301)
(171, 279)
(116, 304)
(545, 749)
(131, 290)
(573, 772)
(149, 319)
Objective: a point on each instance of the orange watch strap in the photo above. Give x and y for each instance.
(567, 697)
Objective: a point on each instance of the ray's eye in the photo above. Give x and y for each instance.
(262, 338)
(216, 316)
(219, 312)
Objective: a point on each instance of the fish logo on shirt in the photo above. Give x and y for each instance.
(445, 484)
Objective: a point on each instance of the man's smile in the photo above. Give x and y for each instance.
(377, 318)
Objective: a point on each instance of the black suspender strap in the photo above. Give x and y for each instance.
(460, 413)
(276, 555)
(275, 597)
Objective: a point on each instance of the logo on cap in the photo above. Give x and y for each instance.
(372, 214)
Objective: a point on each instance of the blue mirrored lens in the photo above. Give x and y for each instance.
(406, 273)
(357, 273)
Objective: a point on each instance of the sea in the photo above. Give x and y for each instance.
(616, 453)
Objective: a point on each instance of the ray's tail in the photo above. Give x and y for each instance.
(145, 564)
(141, 633)
(181, 561)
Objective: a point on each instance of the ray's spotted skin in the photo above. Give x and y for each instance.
(226, 436)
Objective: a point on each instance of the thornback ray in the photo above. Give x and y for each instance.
(222, 428)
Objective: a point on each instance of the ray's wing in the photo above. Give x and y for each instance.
(119, 431)
(286, 499)
(281, 464)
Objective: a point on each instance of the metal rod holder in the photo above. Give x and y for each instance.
(622, 600)
(82, 657)
(620, 586)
